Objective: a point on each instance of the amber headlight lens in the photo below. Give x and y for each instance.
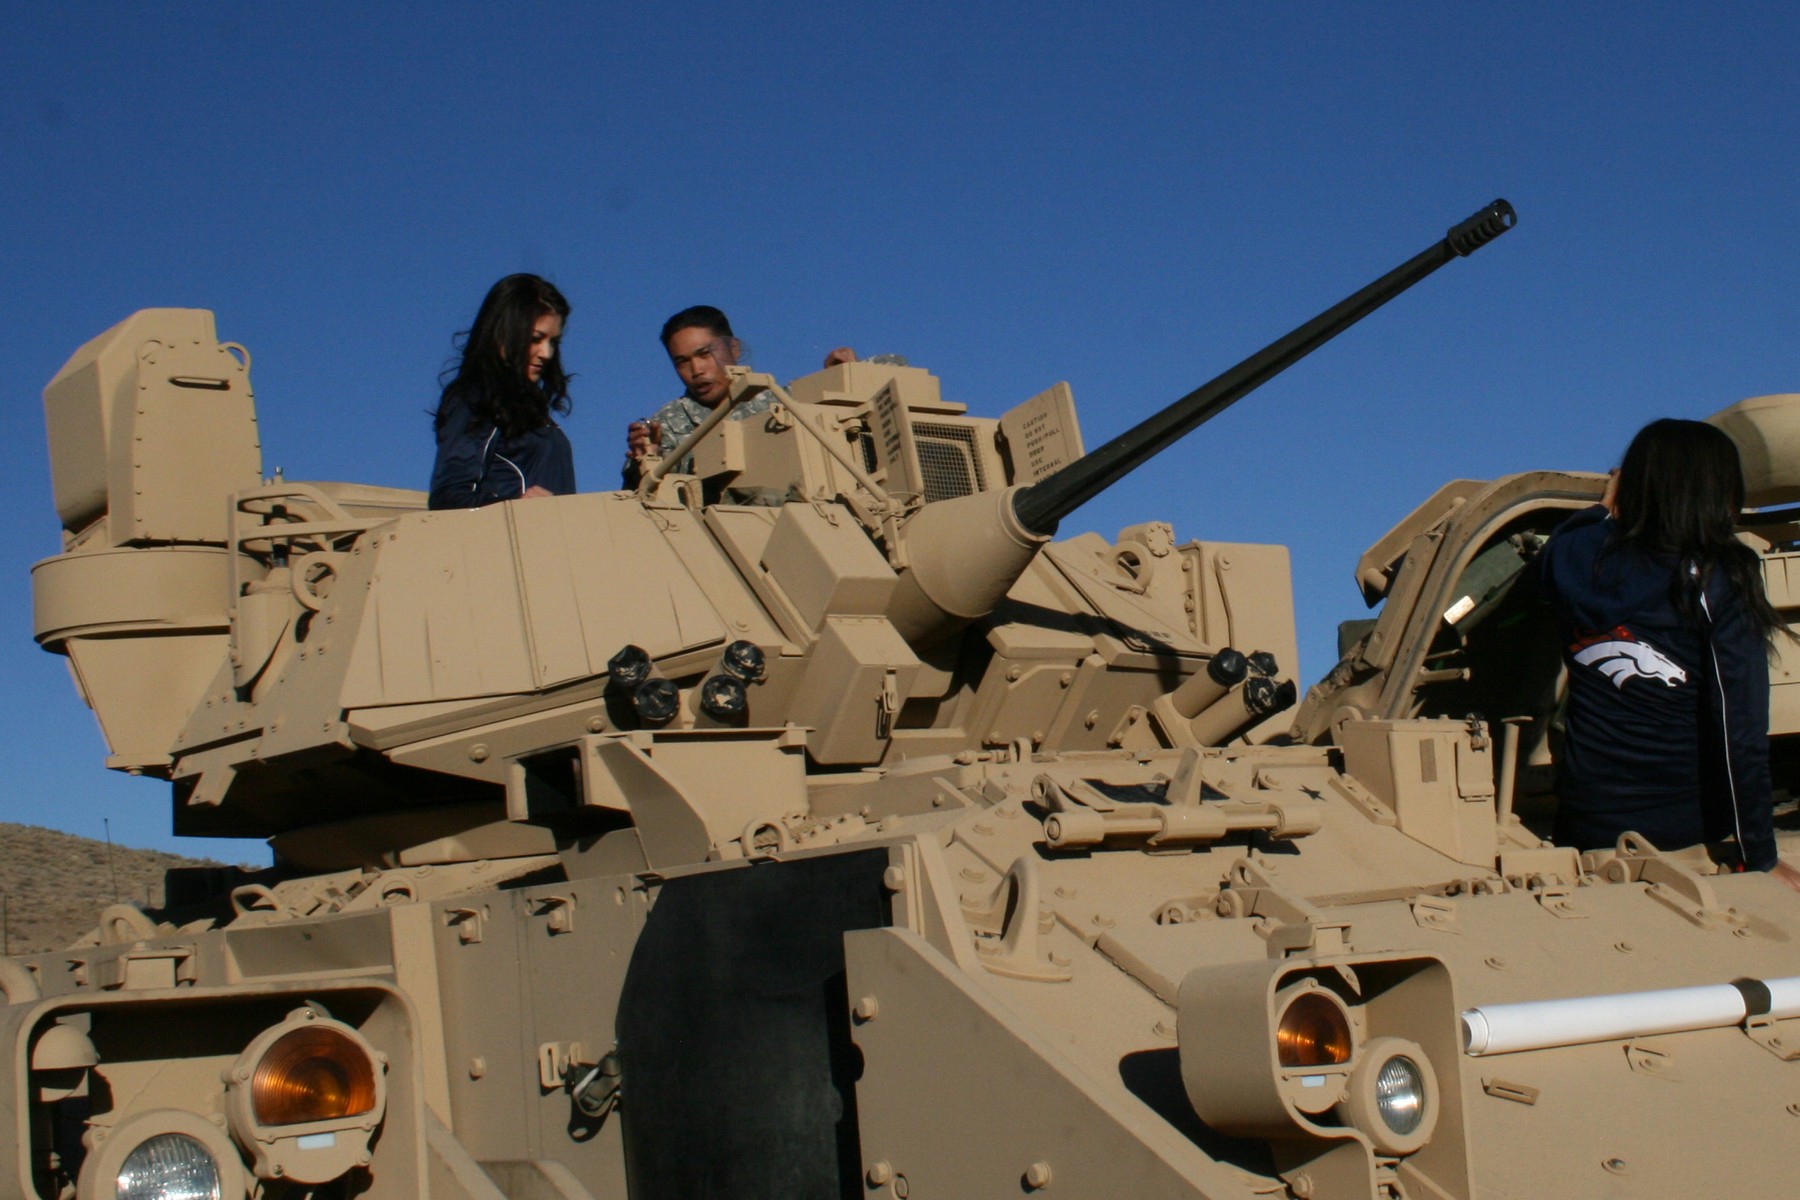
(313, 1073)
(169, 1166)
(1313, 1032)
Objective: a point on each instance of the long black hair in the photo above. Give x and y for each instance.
(489, 376)
(1681, 490)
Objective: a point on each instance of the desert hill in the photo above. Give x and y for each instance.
(55, 884)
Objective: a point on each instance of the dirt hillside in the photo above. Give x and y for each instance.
(55, 884)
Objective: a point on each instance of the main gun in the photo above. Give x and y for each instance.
(963, 555)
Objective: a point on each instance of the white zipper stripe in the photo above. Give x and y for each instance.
(515, 466)
(1724, 725)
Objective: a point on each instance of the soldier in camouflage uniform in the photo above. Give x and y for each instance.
(700, 345)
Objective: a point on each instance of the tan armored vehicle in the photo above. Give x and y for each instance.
(871, 844)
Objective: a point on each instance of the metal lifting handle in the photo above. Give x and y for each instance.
(1043, 504)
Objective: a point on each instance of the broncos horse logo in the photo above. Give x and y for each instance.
(1620, 656)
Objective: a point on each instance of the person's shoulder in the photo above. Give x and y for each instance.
(453, 417)
(681, 408)
(1585, 530)
(758, 403)
(1592, 521)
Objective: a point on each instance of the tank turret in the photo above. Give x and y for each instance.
(331, 639)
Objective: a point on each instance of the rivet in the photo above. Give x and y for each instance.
(1624, 947)
(1104, 921)
(893, 879)
(1301, 1185)
(1037, 1175)
(1615, 1165)
(478, 752)
(1495, 961)
(596, 724)
(1012, 674)
(879, 1173)
(867, 1008)
(477, 1067)
(1067, 678)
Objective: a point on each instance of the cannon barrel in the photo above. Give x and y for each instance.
(1043, 504)
(964, 554)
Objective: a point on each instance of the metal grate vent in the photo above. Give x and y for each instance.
(947, 460)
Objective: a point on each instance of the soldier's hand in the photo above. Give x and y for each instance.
(534, 490)
(1787, 875)
(640, 436)
(843, 354)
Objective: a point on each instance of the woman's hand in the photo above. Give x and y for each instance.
(1610, 497)
(1786, 874)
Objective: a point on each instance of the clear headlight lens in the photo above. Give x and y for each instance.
(1400, 1094)
(169, 1166)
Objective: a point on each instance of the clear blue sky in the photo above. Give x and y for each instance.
(1128, 197)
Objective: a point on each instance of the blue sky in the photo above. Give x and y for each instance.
(1128, 197)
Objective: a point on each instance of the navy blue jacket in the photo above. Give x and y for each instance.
(477, 464)
(1668, 719)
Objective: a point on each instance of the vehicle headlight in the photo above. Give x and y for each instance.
(305, 1097)
(162, 1154)
(1392, 1096)
(313, 1073)
(1266, 1051)
(169, 1166)
(1313, 1031)
(1400, 1094)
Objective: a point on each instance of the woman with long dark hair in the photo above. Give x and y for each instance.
(496, 440)
(1666, 635)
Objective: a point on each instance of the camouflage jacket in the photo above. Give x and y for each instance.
(682, 415)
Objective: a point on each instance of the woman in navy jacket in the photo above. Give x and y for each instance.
(495, 438)
(1666, 636)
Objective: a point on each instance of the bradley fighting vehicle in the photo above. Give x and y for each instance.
(868, 843)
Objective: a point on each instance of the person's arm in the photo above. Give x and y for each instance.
(459, 474)
(1741, 695)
